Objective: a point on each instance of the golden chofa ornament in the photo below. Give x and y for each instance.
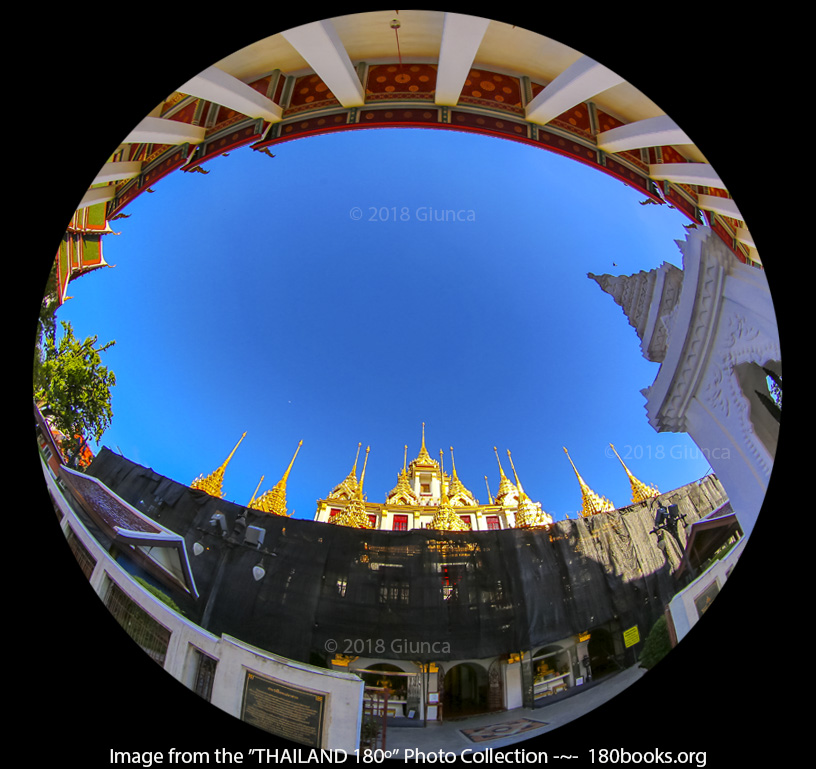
(213, 483)
(274, 500)
(354, 514)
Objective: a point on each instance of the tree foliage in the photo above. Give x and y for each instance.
(657, 645)
(75, 388)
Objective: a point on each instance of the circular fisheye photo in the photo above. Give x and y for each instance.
(407, 386)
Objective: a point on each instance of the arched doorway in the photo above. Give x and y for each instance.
(465, 693)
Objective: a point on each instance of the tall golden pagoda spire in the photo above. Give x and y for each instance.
(402, 493)
(274, 500)
(213, 483)
(347, 488)
(506, 488)
(640, 491)
(591, 503)
(458, 493)
(354, 514)
(445, 519)
(424, 458)
(529, 514)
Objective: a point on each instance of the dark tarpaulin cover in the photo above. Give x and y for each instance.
(420, 594)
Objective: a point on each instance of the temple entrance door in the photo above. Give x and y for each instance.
(601, 650)
(466, 691)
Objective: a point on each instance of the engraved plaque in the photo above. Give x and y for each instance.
(284, 710)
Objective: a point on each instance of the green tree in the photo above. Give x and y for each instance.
(74, 388)
(46, 324)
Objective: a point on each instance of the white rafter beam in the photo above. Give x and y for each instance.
(722, 206)
(461, 37)
(744, 236)
(157, 130)
(580, 81)
(217, 86)
(687, 173)
(118, 171)
(319, 44)
(658, 131)
(97, 195)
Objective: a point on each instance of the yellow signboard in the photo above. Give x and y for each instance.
(631, 636)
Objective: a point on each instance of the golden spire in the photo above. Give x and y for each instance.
(489, 495)
(445, 518)
(459, 494)
(506, 487)
(347, 488)
(274, 500)
(640, 491)
(354, 514)
(212, 484)
(529, 514)
(402, 493)
(424, 458)
(591, 503)
(255, 492)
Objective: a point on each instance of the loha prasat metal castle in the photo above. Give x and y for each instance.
(504, 616)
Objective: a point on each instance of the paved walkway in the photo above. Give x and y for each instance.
(448, 736)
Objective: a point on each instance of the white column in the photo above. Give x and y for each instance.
(320, 45)
(217, 86)
(722, 206)
(115, 172)
(156, 130)
(461, 37)
(652, 132)
(580, 81)
(687, 173)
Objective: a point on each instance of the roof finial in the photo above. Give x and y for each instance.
(591, 503)
(489, 496)
(640, 491)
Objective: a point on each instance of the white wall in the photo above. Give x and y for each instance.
(343, 692)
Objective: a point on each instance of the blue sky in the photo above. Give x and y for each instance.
(308, 297)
